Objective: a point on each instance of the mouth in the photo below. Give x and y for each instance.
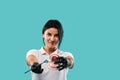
(52, 43)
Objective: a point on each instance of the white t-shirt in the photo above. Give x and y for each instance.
(48, 73)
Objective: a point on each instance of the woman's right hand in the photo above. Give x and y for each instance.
(36, 68)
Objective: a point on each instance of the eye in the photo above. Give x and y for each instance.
(56, 35)
(49, 34)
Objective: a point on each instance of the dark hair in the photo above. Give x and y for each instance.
(54, 24)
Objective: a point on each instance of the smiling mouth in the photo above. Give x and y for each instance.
(52, 43)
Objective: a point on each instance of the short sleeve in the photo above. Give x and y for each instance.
(32, 52)
(65, 54)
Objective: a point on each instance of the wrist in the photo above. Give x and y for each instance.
(68, 62)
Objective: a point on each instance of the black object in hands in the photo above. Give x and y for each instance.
(36, 68)
(62, 61)
(46, 61)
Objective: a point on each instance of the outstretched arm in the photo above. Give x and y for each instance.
(64, 62)
(35, 66)
(31, 59)
(71, 60)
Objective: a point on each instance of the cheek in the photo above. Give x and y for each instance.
(46, 39)
(57, 40)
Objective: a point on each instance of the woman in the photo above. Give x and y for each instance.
(58, 61)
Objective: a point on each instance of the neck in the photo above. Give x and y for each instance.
(49, 50)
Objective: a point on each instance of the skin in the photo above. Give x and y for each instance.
(51, 40)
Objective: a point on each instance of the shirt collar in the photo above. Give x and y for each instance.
(43, 52)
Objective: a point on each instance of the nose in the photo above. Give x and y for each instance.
(52, 38)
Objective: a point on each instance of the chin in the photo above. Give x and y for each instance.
(51, 46)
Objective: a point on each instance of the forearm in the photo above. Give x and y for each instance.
(31, 60)
(71, 61)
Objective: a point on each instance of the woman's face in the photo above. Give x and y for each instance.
(51, 38)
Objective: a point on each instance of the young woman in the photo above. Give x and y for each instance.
(58, 61)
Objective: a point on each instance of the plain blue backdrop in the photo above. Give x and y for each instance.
(91, 33)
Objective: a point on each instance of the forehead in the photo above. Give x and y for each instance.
(52, 31)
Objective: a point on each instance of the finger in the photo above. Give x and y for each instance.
(57, 62)
(60, 65)
(41, 71)
(39, 65)
(60, 68)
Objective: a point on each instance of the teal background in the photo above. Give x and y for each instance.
(92, 34)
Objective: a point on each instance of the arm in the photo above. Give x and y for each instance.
(35, 66)
(71, 60)
(64, 62)
(31, 59)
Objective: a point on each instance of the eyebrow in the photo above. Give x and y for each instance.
(51, 33)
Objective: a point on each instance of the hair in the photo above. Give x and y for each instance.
(54, 24)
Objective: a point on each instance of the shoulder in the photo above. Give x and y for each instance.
(32, 52)
(64, 53)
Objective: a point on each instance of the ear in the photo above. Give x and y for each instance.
(43, 36)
